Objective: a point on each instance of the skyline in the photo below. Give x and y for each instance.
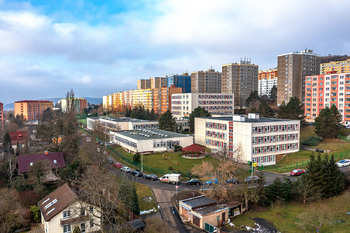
(97, 49)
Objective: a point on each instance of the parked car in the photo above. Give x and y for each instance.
(232, 181)
(117, 165)
(251, 178)
(110, 160)
(136, 173)
(150, 177)
(343, 163)
(212, 181)
(171, 178)
(125, 169)
(297, 172)
(193, 181)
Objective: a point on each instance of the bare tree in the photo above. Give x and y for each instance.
(306, 190)
(39, 170)
(92, 153)
(157, 224)
(315, 217)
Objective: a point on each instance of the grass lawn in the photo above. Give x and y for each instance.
(176, 161)
(83, 121)
(143, 191)
(284, 218)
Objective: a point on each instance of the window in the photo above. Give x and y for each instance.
(66, 214)
(82, 212)
(92, 223)
(66, 229)
(82, 228)
(91, 209)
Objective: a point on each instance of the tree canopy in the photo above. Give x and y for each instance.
(197, 112)
(167, 122)
(253, 96)
(328, 122)
(293, 110)
(265, 110)
(273, 94)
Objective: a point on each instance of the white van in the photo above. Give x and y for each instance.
(170, 178)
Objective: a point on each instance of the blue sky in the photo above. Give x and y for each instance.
(97, 48)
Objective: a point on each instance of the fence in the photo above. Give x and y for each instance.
(147, 168)
(344, 138)
(298, 164)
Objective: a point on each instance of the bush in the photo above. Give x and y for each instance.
(177, 148)
(170, 168)
(137, 157)
(35, 210)
(312, 141)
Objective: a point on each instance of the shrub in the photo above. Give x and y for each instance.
(312, 141)
(35, 210)
(170, 168)
(137, 157)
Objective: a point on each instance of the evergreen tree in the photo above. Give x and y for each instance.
(265, 110)
(137, 157)
(135, 200)
(328, 122)
(253, 96)
(253, 110)
(261, 189)
(7, 144)
(279, 191)
(273, 94)
(293, 110)
(167, 122)
(127, 194)
(152, 115)
(334, 180)
(197, 112)
(315, 171)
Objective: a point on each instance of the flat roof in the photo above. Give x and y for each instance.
(121, 119)
(146, 134)
(247, 120)
(198, 201)
(209, 209)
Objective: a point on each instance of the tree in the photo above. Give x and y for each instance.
(72, 172)
(265, 110)
(127, 195)
(7, 144)
(9, 159)
(279, 191)
(273, 94)
(315, 217)
(315, 172)
(248, 193)
(137, 157)
(253, 96)
(91, 153)
(156, 224)
(328, 123)
(294, 110)
(333, 178)
(167, 122)
(35, 210)
(254, 110)
(39, 170)
(306, 191)
(197, 112)
(47, 115)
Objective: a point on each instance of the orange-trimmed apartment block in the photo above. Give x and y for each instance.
(339, 66)
(162, 98)
(2, 116)
(267, 74)
(32, 109)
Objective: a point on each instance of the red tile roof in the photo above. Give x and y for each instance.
(18, 136)
(57, 201)
(30, 101)
(56, 160)
(193, 147)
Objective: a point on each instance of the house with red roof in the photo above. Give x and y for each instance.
(19, 136)
(26, 161)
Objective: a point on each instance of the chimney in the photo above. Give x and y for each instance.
(46, 152)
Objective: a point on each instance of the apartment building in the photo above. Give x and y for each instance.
(2, 118)
(291, 71)
(183, 81)
(32, 109)
(78, 104)
(206, 81)
(107, 102)
(121, 123)
(267, 79)
(339, 66)
(183, 104)
(239, 79)
(326, 90)
(162, 98)
(159, 82)
(143, 84)
(261, 140)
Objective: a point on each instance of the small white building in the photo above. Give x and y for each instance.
(183, 104)
(265, 86)
(150, 140)
(261, 140)
(121, 123)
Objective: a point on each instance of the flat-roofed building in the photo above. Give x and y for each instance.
(121, 123)
(267, 79)
(182, 105)
(150, 140)
(159, 82)
(206, 81)
(338, 66)
(143, 84)
(162, 98)
(183, 81)
(107, 102)
(261, 140)
(32, 109)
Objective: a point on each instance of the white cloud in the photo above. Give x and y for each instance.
(84, 80)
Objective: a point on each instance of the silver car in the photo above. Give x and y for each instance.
(343, 163)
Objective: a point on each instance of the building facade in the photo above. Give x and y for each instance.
(183, 81)
(206, 81)
(32, 109)
(182, 105)
(159, 82)
(78, 104)
(339, 66)
(162, 98)
(261, 140)
(291, 70)
(121, 123)
(107, 102)
(150, 140)
(267, 79)
(2, 119)
(143, 84)
(326, 90)
(239, 79)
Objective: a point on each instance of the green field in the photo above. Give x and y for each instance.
(284, 218)
(144, 191)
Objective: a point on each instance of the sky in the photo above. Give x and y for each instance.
(99, 47)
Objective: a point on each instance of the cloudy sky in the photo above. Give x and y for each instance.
(50, 47)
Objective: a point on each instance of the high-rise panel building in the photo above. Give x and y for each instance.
(339, 66)
(239, 79)
(2, 116)
(183, 81)
(267, 79)
(32, 109)
(107, 102)
(291, 71)
(143, 84)
(162, 98)
(158, 82)
(206, 81)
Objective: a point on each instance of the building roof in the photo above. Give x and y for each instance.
(246, 119)
(136, 224)
(57, 201)
(209, 209)
(56, 160)
(149, 134)
(193, 147)
(18, 136)
(120, 119)
(199, 201)
(33, 101)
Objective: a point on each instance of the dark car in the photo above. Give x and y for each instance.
(232, 181)
(193, 181)
(150, 177)
(251, 178)
(136, 173)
